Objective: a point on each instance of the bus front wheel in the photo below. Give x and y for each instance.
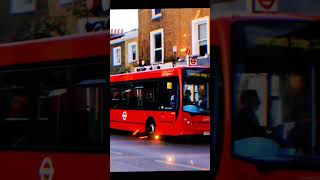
(150, 128)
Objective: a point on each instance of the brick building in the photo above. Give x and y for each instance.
(166, 34)
(131, 50)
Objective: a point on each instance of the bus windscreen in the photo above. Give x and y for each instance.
(277, 40)
(196, 91)
(275, 93)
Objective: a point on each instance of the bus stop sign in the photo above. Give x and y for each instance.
(265, 5)
(193, 61)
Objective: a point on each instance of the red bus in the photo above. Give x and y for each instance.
(52, 99)
(171, 101)
(266, 100)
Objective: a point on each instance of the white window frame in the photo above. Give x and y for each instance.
(114, 56)
(154, 15)
(195, 41)
(16, 6)
(130, 60)
(152, 45)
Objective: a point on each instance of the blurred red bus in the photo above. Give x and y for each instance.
(52, 98)
(170, 102)
(266, 101)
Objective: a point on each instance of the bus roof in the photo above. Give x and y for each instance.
(69, 47)
(159, 73)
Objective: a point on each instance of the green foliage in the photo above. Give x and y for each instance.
(49, 27)
(120, 70)
(78, 9)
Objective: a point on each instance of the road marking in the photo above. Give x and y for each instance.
(114, 152)
(181, 165)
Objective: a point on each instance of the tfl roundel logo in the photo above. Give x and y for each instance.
(124, 115)
(46, 170)
(267, 4)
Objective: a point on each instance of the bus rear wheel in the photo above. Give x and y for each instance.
(150, 128)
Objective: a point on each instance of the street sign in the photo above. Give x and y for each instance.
(188, 51)
(174, 49)
(193, 61)
(265, 6)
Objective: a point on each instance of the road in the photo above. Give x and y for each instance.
(133, 154)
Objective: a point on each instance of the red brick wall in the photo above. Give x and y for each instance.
(176, 24)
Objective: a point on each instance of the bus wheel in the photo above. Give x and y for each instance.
(150, 128)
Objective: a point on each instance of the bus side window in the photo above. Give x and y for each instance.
(148, 92)
(133, 99)
(119, 95)
(137, 93)
(172, 100)
(168, 94)
(116, 97)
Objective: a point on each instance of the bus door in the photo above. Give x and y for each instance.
(94, 98)
(168, 99)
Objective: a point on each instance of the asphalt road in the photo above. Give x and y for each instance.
(134, 154)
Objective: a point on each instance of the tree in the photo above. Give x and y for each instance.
(50, 26)
(78, 9)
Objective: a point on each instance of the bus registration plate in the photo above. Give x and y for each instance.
(206, 133)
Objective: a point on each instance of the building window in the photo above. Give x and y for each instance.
(18, 6)
(132, 52)
(200, 37)
(156, 46)
(117, 56)
(156, 13)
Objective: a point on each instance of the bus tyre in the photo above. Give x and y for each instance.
(150, 129)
